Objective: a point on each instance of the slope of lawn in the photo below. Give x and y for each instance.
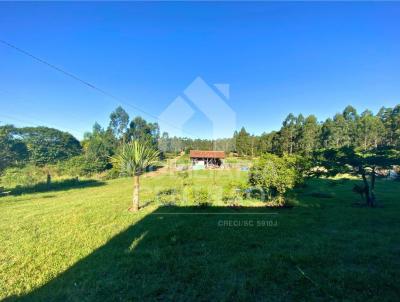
(82, 244)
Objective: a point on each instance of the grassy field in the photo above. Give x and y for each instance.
(81, 244)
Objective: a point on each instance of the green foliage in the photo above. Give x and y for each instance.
(76, 235)
(186, 180)
(288, 134)
(304, 135)
(233, 192)
(360, 163)
(119, 120)
(183, 174)
(308, 135)
(199, 196)
(25, 176)
(82, 165)
(243, 142)
(370, 131)
(133, 158)
(274, 175)
(356, 162)
(47, 145)
(169, 196)
(183, 160)
(98, 145)
(13, 151)
(112, 173)
(143, 131)
(301, 135)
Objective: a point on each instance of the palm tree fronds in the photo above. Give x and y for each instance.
(134, 157)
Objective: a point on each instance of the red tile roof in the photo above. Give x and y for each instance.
(207, 154)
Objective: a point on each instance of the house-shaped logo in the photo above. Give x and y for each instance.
(211, 100)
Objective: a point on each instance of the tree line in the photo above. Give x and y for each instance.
(301, 135)
(304, 135)
(43, 146)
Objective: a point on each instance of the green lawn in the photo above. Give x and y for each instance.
(82, 244)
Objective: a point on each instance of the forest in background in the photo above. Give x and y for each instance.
(29, 152)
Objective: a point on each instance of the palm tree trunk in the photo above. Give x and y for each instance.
(135, 199)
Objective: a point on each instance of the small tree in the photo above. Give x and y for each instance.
(274, 175)
(360, 163)
(132, 159)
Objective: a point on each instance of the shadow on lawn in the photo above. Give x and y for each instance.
(59, 185)
(174, 253)
(192, 254)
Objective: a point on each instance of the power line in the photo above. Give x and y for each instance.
(18, 120)
(9, 117)
(76, 78)
(30, 117)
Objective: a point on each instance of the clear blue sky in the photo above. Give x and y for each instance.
(310, 58)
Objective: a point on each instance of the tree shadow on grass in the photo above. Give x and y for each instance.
(59, 185)
(220, 253)
(174, 253)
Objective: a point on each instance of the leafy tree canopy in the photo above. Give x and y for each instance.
(47, 145)
(119, 120)
(275, 175)
(361, 163)
(12, 149)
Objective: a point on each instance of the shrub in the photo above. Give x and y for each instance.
(275, 175)
(200, 197)
(168, 196)
(256, 193)
(82, 166)
(233, 192)
(25, 176)
(186, 180)
(112, 173)
(301, 164)
(73, 167)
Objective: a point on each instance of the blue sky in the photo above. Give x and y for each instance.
(310, 58)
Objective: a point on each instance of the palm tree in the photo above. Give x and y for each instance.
(132, 159)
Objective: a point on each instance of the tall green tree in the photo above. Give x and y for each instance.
(370, 130)
(119, 120)
(132, 159)
(164, 143)
(390, 118)
(335, 133)
(243, 143)
(395, 117)
(143, 131)
(342, 134)
(350, 113)
(309, 134)
(266, 143)
(98, 145)
(288, 133)
(351, 117)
